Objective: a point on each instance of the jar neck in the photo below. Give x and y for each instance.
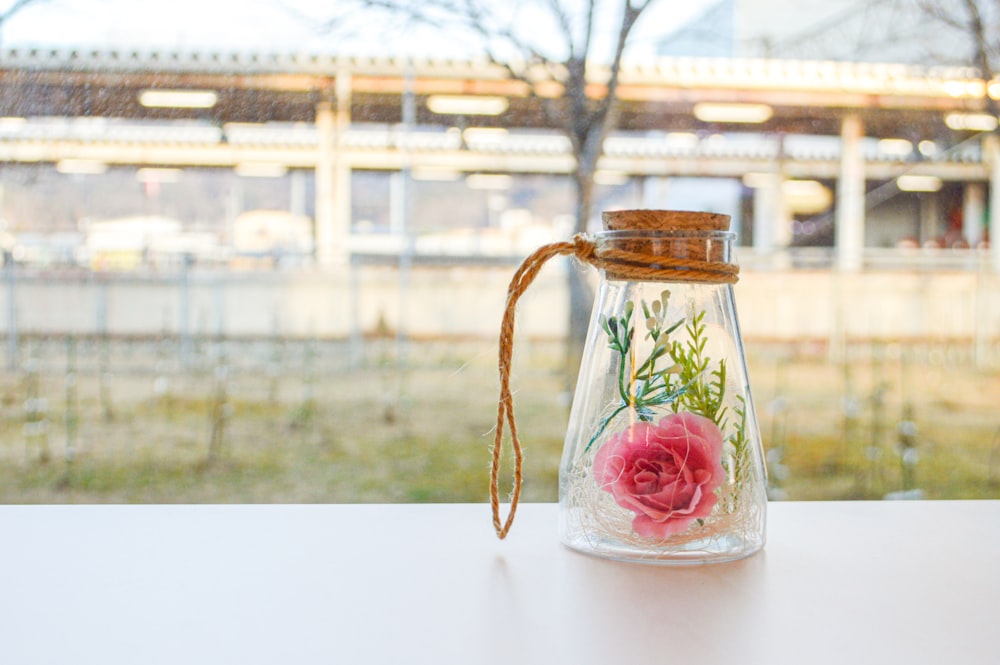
(689, 256)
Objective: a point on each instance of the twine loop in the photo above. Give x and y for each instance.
(627, 264)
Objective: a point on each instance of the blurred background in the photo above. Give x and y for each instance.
(258, 251)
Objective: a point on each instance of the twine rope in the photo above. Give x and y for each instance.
(624, 264)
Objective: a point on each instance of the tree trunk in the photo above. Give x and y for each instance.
(581, 294)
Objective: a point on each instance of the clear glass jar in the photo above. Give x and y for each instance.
(663, 460)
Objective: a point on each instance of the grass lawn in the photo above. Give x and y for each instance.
(279, 421)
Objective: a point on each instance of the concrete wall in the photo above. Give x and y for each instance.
(468, 301)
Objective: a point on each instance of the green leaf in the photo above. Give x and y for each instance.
(674, 327)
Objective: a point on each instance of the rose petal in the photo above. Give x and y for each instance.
(666, 473)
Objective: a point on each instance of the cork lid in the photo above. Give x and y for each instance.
(664, 220)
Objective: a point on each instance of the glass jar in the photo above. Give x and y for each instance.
(663, 460)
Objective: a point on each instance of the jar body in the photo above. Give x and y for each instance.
(663, 461)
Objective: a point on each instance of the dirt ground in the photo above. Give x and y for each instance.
(383, 420)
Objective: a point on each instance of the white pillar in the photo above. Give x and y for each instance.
(342, 168)
(973, 211)
(333, 176)
(850, 213)
(325, 216)
(772, 225)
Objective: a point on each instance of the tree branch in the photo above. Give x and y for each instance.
(15, 8)
(566, 25)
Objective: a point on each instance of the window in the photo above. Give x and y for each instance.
(261, 254)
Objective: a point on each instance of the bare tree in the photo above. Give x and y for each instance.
(975, 24)
(559, 50)
(14, 8)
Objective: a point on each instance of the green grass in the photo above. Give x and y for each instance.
(370, 432)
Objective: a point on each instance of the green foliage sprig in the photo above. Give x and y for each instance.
(707, 387)
(649, 384)
(678, 373)
(741, 446)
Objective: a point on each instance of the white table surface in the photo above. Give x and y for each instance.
(866, 582)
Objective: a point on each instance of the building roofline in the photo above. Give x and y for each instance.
(741, 73)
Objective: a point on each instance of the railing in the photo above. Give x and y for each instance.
(371, 136)
(925, 259)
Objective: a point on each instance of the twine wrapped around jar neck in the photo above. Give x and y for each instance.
(635, 259)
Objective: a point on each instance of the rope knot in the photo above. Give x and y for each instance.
(584, 248)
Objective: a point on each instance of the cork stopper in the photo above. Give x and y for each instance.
(676, 245)
(664, 220)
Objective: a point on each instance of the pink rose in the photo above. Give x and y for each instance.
(666, 473)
